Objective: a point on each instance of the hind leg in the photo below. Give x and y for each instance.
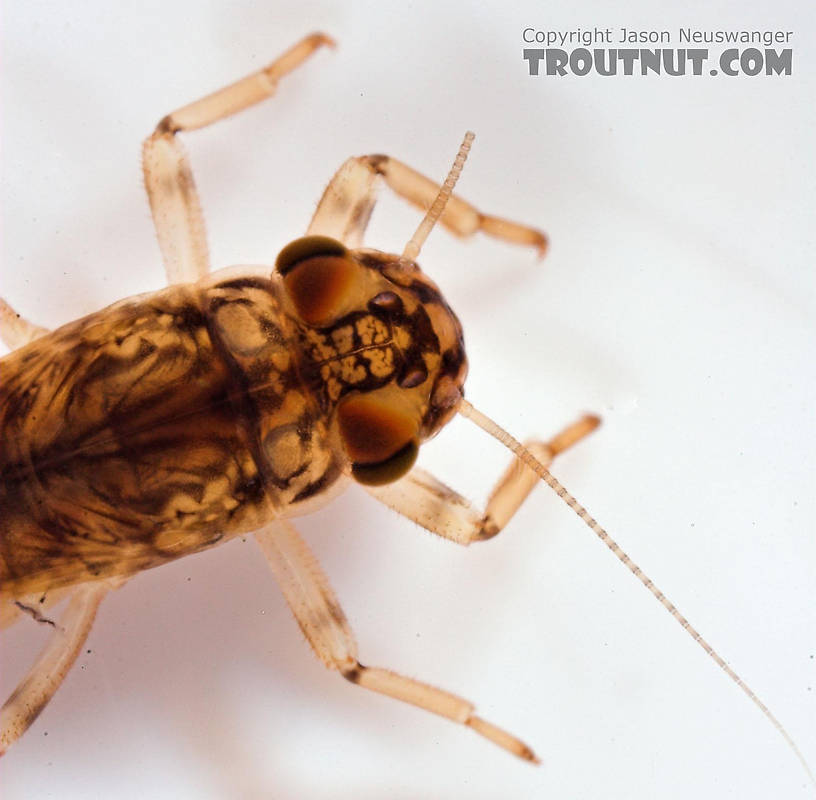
(37, 688)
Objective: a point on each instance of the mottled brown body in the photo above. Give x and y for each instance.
(171, 421)
(134, 435)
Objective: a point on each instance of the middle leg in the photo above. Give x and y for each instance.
(443, 511)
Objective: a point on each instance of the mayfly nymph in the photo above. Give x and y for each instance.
(231, 402)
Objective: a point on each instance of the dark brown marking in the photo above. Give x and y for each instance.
(245, 283)
(166, 126)
(35, 614)
(317, 486)
(377, 161)
(353, 674)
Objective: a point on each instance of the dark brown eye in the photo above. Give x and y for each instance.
(319, 276)
(307, 247)
(380, 441)
(388, 471)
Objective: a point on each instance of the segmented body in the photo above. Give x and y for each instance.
(171, 421)
(153, 429)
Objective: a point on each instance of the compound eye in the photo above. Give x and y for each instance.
(319, 276)
(380, 441)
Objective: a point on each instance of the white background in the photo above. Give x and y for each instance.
(677, 302)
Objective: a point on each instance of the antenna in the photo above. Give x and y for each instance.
(526, 457)
(414, 245)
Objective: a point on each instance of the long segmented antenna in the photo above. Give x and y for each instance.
(413, 247)
(524, 455)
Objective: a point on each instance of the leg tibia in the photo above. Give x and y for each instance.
(254, 88)
(513, 488)
(321, 619)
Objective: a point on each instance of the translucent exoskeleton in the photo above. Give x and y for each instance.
(229, 403)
